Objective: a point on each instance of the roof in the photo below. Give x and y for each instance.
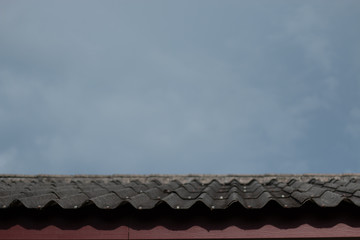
(177, 191)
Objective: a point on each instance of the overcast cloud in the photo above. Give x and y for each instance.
(147, 87)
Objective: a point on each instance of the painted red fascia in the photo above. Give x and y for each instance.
(53, 232)
(196, 232)
(232, 232)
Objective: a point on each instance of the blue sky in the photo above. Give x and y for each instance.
(177, 87)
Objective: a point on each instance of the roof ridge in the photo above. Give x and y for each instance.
(222, 178)
(190, 175)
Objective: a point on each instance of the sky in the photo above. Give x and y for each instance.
(179, 87)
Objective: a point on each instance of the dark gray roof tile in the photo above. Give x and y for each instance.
(288, 202)
(288, 189)
(332, 185)
(355, 200)
(304, 187)
(155, 193)
(138, 187)
(6, 201)
(191, 187)
(125, 193)
(176, 202)
(106, 201)
(95, 192)
(185, 194)
(357, 193)
(349, 188)
(316, 191)
(66, 192)
(236, 198)
(142, 201)
(207, 199)
(38, 201)
(146, 192)
(259, 202)
(328, 199)
(301, 197)
(73, 201)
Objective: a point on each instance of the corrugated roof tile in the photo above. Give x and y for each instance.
(106, 201)
(38, 201)
(142, 201)
(176, 202)
(328, 199)
(182, 192)
(125, 193)
(72, 201)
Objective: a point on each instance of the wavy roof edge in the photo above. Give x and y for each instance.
(183, 178)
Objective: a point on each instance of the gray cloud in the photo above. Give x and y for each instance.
(187, 87)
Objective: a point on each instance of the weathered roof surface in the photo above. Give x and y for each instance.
(178, 191)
